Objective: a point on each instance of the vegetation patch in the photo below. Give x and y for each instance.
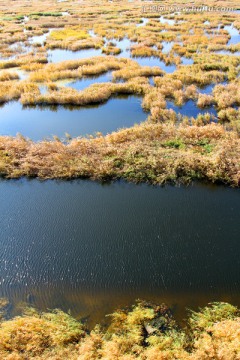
(69, 34)
(143, 331)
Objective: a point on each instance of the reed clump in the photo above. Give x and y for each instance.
(23, 60)
(143, 331)
(10, 90)
(111, 50)
(129, 72)
(7, 76)
(78, 68)
(194, 75)
(205, 100)
(143, 51)
(227, 95)
(69, 34)
(95, 93)
(138, 154)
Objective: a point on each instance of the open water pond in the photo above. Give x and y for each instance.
(42, 122)
(90, 248)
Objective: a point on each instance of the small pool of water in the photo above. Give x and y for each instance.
(235, 36)
(191, 109)
(44, 122)
(209, 88)
(186, 61)
(24, 48)
(167, 46)
(40, 39)
(85, 82)
(206, 89)
(58, 55)
(153, 61)
(163, 20)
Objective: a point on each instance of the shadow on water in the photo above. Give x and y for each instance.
(90, 248)
(39, 122)
(143, 22)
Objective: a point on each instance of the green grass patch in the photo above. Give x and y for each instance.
(175, 143)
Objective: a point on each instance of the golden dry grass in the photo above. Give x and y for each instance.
(155, 153)
(144, 331)
(110, 22)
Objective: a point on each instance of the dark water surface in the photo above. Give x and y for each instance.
(90, 247)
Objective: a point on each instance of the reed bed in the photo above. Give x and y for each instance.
(111, 50)
(24, 60)
(136, 71)
(145, 152)
(13, 90)
(194, 75)
(96, 93)
(110, 22)
(69, 34)
(166, 148)
(7, 75)
(77, 68)
(227, 95)
(143, 331)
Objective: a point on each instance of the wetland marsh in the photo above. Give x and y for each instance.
(120, 175)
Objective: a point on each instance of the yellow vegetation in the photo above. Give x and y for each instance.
(144, 331)
(69, 34)
(151, 152)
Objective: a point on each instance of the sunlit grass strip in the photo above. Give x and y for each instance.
(95, 93)
(7, 75)
(150, 152)
(13, 90)
(77, 69)
(69, 34)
